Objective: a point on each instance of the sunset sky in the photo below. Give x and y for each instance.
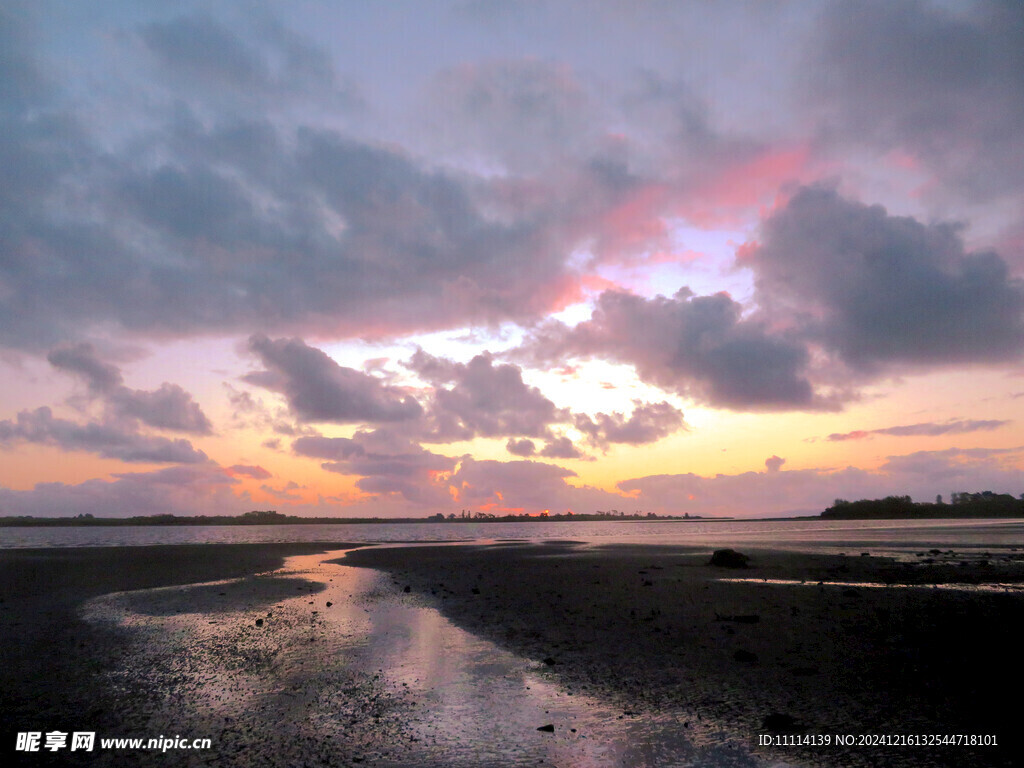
(390, 259)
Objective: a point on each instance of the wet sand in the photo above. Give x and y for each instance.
(53, 663)
(637, 643)
(658, 629)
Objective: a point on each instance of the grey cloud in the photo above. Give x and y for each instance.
(927, 428)
(81, 359)
(809, 491)
(284, 494)
(527, 112)
(529, 482)
(486, 400)
(347, 238)
(200, 55)
(526, 485)
(169, 407)
(774, 463)
(698, 346)
(648, 423)
(385, 463)
(333, 448)
(945, 85)
(185, 490)
(247, 470)
(225, 219)
(205, 50)
(561, 448)
(958, 465)
(112, 441)
(523, 447)
(190, 203)
(882, 290)
(318, 389)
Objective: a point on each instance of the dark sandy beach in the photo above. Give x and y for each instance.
(646, 629)
(52, 662)
(655, 627)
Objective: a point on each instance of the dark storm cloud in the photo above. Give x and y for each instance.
(698, 346)
(648, 423)
(169, 407)
(109, 440)
(883, 290)
(318, 389)
(945, 85)
(927, 428)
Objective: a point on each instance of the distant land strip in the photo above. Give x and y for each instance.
(272, 517)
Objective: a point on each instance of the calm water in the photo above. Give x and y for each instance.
(877, 536)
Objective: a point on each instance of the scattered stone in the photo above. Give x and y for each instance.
(745, 656)
(407, 588)
(550, 661)
(728, 558)
(549, 728)
(259, 622)
(329, 603)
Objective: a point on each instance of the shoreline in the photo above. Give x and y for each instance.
(651, 628)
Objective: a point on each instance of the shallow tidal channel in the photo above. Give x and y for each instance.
(319, 663)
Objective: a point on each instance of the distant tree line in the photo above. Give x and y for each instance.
(273, 517)
(962, 504)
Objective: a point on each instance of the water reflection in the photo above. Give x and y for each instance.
(351, 668)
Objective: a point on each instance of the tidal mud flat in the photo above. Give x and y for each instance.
(456, 655)
(657, 629)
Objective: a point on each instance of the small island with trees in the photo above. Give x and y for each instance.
(961, 505)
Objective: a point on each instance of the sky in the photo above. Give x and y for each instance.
(508, 256)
